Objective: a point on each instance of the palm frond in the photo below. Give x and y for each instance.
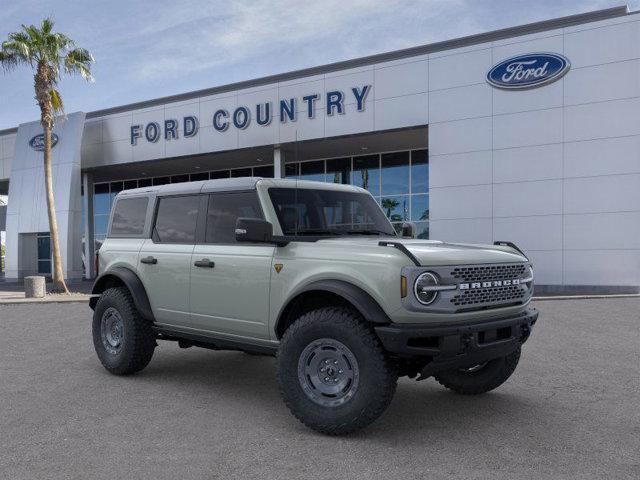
(47, 25)
(79, 60)
(56, 101)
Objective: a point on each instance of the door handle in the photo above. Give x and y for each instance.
(149, 260)
(204, 263)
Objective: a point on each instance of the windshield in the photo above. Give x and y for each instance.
(328, 212)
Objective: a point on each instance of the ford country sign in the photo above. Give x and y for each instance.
(37, 142)
(528, 71)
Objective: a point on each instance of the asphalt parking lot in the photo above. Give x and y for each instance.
(570, 410)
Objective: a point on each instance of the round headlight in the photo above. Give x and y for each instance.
(421, 288)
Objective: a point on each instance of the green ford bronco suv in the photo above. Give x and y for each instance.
(314, 274)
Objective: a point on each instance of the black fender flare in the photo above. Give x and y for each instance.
(132, 282)
(366, 305)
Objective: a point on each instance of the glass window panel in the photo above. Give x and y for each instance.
(419, 207)
(128, 216)
(100, 223)
(396, 208)
(44, 247)
(196, 177)
(419, 171)
(101, 188)
(292, 170)
(312, 171)
(422, 230)
(219, 174)
(366, 173)
(395, 173)
(176, 219)
(265, 171)
(129, 184)
(161, 180)
(179, 178)
(240, 172)
(145, 182)
(116, 187)
(224, 210)
(101, 199)
(339, 170)
(44, 266)
(398, 228)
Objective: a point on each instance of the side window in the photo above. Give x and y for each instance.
(224, 209)
(176, 219)
(128, 216)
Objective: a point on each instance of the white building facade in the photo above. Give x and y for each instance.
(529, 134)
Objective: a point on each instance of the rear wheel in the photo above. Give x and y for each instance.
(480, 378)
(333, 373)
(123, 340)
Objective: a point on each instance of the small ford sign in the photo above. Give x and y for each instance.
(528, 71)
(37, 142)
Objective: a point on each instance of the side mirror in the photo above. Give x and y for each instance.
(408, 230)
(254, 230)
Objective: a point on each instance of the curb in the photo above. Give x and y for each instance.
(19, 301)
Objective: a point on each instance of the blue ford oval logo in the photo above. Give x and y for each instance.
(37, 142)
(528, 71)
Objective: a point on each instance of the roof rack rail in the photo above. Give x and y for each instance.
(400, 246)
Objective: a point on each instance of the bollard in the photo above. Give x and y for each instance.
(34, 287)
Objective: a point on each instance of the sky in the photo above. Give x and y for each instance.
(149, 49)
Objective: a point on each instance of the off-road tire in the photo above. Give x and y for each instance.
(377, 376)
(138, 340)
(487, 378)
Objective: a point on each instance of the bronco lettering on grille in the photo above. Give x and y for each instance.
(493, 283)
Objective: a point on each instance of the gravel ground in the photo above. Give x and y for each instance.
(569, 411)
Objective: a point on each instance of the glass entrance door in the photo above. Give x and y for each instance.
(44, 253)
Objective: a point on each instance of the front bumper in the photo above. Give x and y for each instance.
(447, 346)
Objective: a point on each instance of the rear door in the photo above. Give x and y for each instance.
(164, 262)
(230, 280)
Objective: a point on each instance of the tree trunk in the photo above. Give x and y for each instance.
(59, 285)
(42, 85)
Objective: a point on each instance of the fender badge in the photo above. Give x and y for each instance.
(278, 267)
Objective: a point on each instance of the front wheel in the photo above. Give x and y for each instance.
(480, 378)
(333, 373)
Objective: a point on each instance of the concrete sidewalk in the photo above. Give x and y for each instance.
(13, 293)
(10, 298)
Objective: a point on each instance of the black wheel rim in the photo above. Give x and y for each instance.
(111, 330)
(328, 372)
(474, 368)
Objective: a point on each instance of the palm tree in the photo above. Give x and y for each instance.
(47, 53)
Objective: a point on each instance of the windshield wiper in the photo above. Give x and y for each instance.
(318, 231)
(369, 232)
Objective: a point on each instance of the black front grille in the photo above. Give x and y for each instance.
(490, 295)
(482, 273)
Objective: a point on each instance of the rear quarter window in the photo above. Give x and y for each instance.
(129, 216)
(176, 219)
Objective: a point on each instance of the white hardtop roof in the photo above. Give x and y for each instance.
(234, 184)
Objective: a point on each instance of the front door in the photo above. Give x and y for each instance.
(164, 263)
(229, 280)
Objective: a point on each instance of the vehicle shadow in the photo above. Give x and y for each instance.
(417, 408)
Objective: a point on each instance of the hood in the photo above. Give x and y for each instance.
(435, 252)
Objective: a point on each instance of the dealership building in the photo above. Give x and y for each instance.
(529, 134)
